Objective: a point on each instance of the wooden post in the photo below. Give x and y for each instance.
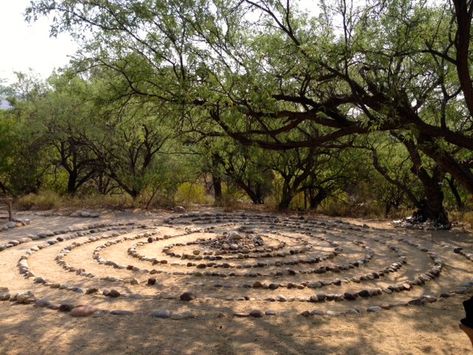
(9, 203)
(10, 209)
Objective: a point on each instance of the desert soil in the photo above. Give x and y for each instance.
(217, 321)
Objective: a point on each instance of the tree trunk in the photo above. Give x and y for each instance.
(455, 193)
(71, 183)
(431, 207)
(316, 200)
(286, 199)
(10, 209)
(255, 198)
(259, 195)
(217, 184)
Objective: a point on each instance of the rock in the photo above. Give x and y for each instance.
(257, 284)
(429, 298)
(151, 281)
(374, 309)
(24, 297)
(306, 314)
(273, 286)
(112, 293)
(89, 214)
(43, 303)
(179, 209)
(241, 314)
(352, 311)
(83, 311)
(91, 291)
(184, 315)
(316, 284)
(196, 252)
(416, 302)
(364, 293)
(5, 296)
(66, 307)
(163, 314)
(10, 224)
(134, 281)
(351, 296)
(256, 313)
(187, 296)
(119, 312)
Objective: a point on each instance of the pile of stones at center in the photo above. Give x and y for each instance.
(235, 242)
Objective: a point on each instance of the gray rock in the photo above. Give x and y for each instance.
(39, 280)
(44, 303)
(164, 314)
(119, 312)
(4, 296)
(24, 297)
(184, 315)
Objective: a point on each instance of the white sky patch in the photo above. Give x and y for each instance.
(26, 46)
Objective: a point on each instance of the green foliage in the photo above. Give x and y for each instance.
(191, 193)
(360, 107)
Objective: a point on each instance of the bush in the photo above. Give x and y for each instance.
(44, 200)
(188, 193)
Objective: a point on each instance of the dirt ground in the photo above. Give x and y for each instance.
(215, 325)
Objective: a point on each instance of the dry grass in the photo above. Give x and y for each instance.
(193, 196)
(47, 200)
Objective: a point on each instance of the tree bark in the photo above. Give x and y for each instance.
(286, 199)
(316, 200)
(71, 183)
(455, 193)
(217, 185)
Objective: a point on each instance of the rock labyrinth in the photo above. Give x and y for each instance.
(237, 264)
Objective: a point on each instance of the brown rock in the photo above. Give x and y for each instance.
(83, 311)
(187, 296)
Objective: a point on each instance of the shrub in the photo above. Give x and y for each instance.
(189, 193)
(44, 200)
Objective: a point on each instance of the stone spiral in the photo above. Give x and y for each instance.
(237, 264)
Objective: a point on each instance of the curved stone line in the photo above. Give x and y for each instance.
(132, 251)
